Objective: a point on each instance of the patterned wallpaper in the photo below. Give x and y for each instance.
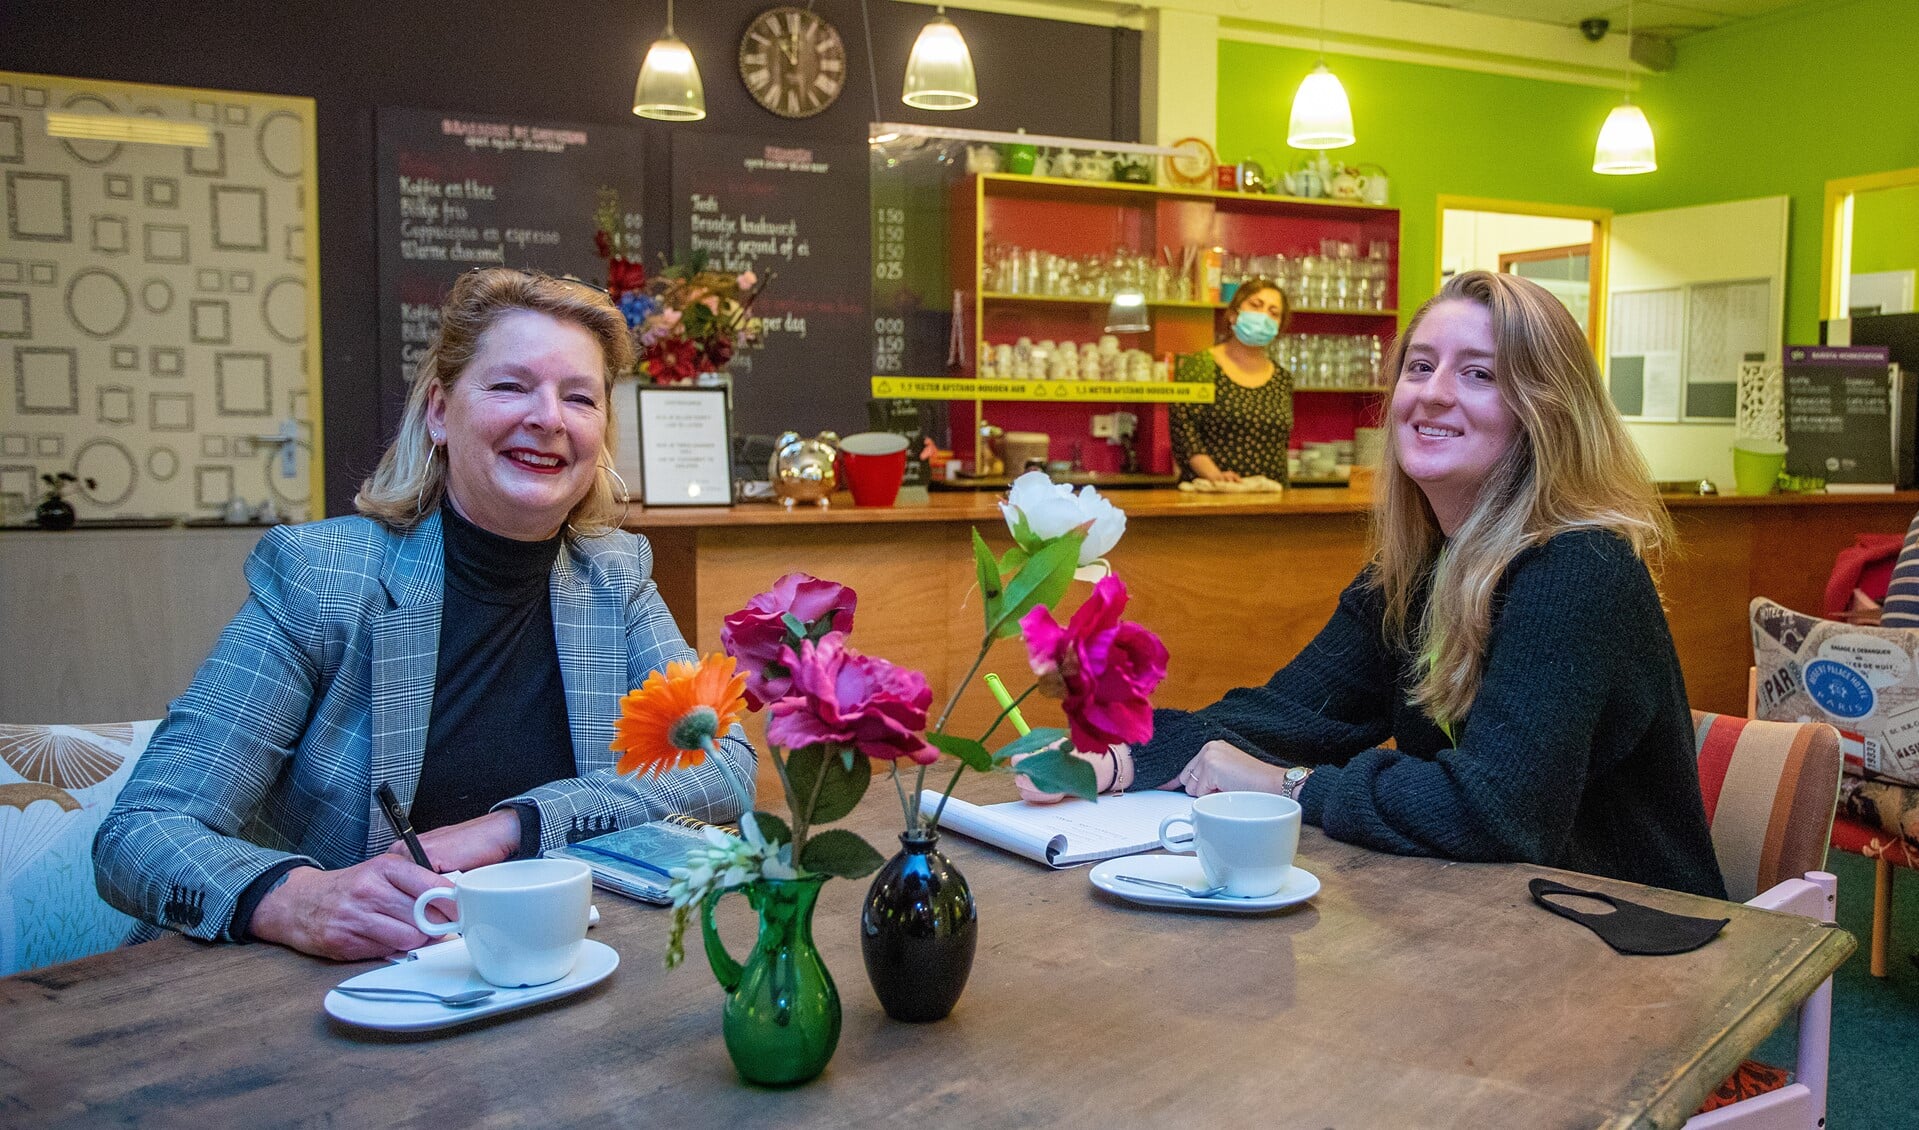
(155, 301)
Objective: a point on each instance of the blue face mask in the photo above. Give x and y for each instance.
(1255, 328)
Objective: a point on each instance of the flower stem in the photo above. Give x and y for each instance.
(740, 790)
(1010, 707)
(986, 645)
(801, 822)
(905, 808)
(792, 802)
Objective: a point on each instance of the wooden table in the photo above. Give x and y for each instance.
(1409, 992)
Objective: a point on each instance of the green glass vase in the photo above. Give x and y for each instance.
(782, 1014)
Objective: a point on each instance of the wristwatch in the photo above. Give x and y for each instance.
(1294, 781)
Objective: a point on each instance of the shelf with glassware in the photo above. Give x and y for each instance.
(1039, 259)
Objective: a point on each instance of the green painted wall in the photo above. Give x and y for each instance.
(1778, 106)
(1773, 106)
(1885, 230)
(1436, 131)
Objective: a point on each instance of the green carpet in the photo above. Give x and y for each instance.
(1875, 1021)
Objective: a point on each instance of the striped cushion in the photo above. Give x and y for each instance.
(1769, 789)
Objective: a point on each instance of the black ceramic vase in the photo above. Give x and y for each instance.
(917, 930)
(54, 514)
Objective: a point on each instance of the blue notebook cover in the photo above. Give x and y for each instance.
(637, 862)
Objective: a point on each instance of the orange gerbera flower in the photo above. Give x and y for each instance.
(669, 720)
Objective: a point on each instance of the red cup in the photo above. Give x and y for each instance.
(874, 464)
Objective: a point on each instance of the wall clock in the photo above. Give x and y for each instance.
(792, 61)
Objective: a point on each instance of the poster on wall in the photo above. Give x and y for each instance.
(459, 191)
(799, 214)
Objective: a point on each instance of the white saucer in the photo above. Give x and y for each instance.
(1301, 884)
(446, 969)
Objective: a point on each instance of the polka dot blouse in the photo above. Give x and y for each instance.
(1243, 429)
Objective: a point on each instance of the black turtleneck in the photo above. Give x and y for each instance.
(499, 724)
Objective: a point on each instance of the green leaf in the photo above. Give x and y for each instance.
(795, 629)
(840, 787)
(773, 829)
(966, 749)
(846, 760)
(840, 852)
(1029, 743)
(1042, 580)
(1023, 535)
(987, 568)
(1014, 560)
(1057, 771)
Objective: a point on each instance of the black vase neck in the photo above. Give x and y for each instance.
(920, 842)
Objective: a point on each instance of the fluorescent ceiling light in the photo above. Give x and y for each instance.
(127, 127)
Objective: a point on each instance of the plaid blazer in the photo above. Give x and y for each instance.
(321, 688)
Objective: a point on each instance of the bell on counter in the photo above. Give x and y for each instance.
(802, 469)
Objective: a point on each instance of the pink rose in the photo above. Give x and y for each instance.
(1102, 668)
(842, 698)
(756, 634)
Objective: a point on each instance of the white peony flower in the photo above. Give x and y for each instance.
(1052, 509)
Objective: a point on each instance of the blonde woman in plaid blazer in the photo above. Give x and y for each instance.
(323, 686)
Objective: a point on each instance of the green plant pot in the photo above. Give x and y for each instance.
(782, 1015)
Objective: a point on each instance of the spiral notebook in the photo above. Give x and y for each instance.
(637, 862)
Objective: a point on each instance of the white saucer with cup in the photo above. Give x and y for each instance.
(1245, 841)
(524, 921)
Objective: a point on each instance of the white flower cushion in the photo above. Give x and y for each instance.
(56, 784)
(1862, 680)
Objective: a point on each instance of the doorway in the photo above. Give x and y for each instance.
(1560, 247)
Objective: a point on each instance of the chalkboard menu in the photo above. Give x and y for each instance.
(459, 191)
(798, 213)
(1840, 414)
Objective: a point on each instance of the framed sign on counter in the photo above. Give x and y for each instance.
(686, 447)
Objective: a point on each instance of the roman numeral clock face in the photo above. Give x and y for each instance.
(793, 62)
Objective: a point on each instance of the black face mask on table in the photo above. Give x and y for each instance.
(1631, 928)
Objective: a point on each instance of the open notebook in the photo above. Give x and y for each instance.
(1068, 833)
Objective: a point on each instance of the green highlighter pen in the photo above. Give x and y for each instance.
(1006, 703)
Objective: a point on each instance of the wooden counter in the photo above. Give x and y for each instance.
(1235, 585)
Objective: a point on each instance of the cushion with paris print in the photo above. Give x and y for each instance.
(1863, 680)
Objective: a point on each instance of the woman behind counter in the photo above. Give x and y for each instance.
(1507, 634)
(466, 640)
(1244, 431)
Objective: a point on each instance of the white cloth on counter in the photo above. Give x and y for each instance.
(1252, 484)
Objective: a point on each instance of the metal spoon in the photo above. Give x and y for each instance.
(1190, 892)
(466, 999)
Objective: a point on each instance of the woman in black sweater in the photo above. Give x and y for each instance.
(1507, 634)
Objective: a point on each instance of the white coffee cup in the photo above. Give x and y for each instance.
(523, 921)
(1245, 841)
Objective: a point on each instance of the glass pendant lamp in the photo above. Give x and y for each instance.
(1625, 141)
(1322, 117)
(669, 89)
(939, 73)
(1127, 313)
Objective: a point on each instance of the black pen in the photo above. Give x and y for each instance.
(396, 816)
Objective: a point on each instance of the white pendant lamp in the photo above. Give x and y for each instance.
(1322, 118)
(669, 89)
(1126, 314)
(1625, 141)
(939, 73)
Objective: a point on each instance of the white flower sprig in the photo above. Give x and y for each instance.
(722, 863)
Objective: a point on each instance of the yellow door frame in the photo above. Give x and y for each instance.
(1835, 256)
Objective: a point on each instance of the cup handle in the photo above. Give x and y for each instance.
(1182, 845)
(435, 929)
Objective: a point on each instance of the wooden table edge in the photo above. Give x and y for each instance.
(1681, 1096)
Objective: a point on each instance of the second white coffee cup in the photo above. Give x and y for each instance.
(1245, 841)
(523, 921)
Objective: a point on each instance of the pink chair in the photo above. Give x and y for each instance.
(1770, 789)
